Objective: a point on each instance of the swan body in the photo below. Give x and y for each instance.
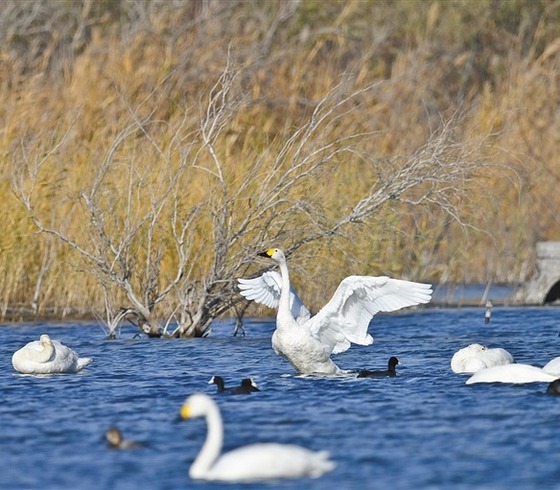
(391, 370)
(512, 373)
(47, 356)
(475, 357)
(246, 386)
(307, 342)
(252, 463)
(553, 366)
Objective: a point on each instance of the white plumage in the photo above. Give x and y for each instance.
(46, 356)
(265, 290)
(552, 366)
(475, 357)
(308, 342)
(252, 463)
(512, 373)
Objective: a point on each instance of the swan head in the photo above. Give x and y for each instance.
(275, 254)
(45, 339)
(196, 405)
(478, 347)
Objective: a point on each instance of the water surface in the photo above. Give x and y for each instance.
(424, 429)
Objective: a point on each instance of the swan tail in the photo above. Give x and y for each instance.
(83, 362)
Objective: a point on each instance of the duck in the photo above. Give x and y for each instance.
(116, 440)
(512, 373)
(246, 387)
(390, 371)
(47, 356)
(306, 341)
(474, 357)
(257, 462)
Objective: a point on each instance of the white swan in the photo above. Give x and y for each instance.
(46, 356)
(256, 462)
(552, 366)
(512, 373)
(475, 357)
(308, 342)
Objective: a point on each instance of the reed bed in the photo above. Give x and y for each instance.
(129, 82)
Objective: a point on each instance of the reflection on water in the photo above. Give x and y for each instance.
(422, 429)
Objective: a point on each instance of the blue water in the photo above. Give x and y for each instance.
(424, 429)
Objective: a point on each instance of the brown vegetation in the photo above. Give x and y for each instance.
(159, 144)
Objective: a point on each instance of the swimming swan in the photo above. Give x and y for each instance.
(308, 342)
(256, 462)
(391, 370)
(511, 373)
(475, 357)
(246, 387)
(46, 356)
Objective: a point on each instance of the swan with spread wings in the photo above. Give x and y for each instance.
(306, 341)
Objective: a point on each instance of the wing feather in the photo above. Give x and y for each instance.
(265, 289)
(346, 317)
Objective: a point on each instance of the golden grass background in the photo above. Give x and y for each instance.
(92, 64)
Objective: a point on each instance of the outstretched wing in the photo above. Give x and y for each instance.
(266, 289)
(345, 318)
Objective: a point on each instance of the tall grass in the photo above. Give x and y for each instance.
(95, 66)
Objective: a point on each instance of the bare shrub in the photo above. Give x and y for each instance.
(170, 217)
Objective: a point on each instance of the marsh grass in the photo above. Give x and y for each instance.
(129, 83)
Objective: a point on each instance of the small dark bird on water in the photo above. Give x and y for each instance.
(116, 440)
(391, 371)
(246, 387)
(554, 388)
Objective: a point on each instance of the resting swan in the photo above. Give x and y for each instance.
(512, 373)
(253, 463)
(308, 342)
(475, 357)
(46, 356)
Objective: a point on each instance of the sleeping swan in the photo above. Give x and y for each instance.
(512, 373)
(253, 463)
(308, 342)
(46, 356)
(475, 357)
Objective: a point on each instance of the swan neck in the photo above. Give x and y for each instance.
(45, 354)
(284, 304)
(212, 445)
